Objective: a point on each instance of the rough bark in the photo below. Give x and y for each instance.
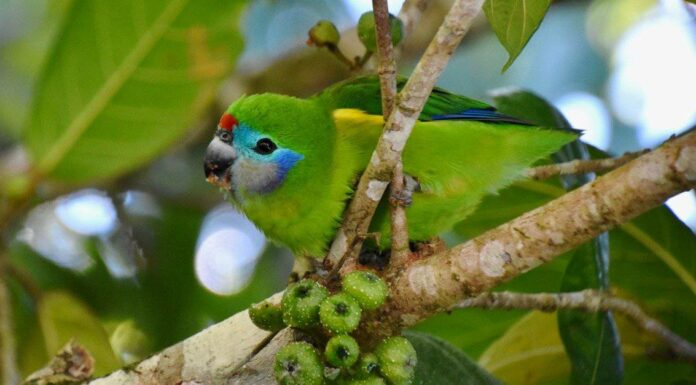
(235, 351)
(438, 283)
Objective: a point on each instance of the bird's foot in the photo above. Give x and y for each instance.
(404, 198)
(427, 248)
(401, 198)
(302, 268)
(376, 237)
(374, 258)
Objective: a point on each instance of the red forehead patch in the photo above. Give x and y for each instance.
(227, 122)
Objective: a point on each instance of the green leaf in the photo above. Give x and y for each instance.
(471, 330)
(514, 22)
(530, 352)
(125, 80)
(653, 262)
(441, 363)
(650, 372)
(63, 317)
(591, 340)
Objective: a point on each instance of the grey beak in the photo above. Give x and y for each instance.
(219, 156)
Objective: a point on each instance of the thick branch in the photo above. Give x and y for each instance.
(581, 166)
(591, 301)
(213, 356)
(398, 127)
(235, 349)
(438, 283)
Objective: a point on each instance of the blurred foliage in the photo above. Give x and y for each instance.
(95, 90)
(64, 317)
(153, 73)
(23, 53)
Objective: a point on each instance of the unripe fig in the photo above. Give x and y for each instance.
(371, 380)
(366, 287)
(368, 365)
(397, 360)
(298, 364)
(300, 303)
(324, 33)
(267, 316)
(340, 313)
(342, 351)
(367, 32)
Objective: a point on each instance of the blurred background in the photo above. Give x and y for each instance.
(154, 255)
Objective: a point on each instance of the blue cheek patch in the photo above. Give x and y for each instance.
(285, 159)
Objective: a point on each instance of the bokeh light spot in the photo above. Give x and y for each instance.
(227, 250)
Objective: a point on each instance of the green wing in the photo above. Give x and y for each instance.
(460, 150)
(363, 93)
(456, 162)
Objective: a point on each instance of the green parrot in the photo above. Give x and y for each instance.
(290, 165)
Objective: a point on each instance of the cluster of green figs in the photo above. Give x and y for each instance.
(307, 305)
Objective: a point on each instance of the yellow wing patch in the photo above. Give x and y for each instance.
(358, 127)
(355, 117)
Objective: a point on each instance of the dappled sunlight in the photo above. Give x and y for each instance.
(587, 112)
(227, 250)
(46, 234)
(87, 212)
(653, 85)
(59, 231)
(684, 206)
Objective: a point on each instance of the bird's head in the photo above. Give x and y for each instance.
(262, 142)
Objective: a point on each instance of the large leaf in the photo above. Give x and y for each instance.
(530, 352)
(441, 363)
(514, 22)
(471, 330)
(63, 317)
(124, 81)
(591, 340)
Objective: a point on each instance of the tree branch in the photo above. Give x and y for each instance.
(233, 350)
(590, 301)
(438, 283)
(581, 166)
(387, 80)
(410, 101)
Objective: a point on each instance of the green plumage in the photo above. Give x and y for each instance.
(456, 162)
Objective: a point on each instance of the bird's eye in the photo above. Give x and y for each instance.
(225, 136)
(265, 146)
